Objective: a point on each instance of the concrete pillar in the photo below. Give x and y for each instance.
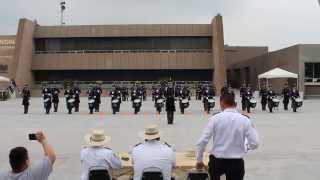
(220, 74)
(20, 68)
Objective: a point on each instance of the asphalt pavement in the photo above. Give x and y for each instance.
(290, 148)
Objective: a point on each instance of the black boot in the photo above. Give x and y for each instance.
(25, 109)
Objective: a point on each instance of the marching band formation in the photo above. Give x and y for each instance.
(165, 96)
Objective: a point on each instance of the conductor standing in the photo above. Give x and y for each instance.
(232, 134)
(170, 105)
(26, 98)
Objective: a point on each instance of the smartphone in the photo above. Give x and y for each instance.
(32, 137)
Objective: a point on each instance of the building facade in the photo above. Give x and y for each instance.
(7, 44)
(147, 52)
(302, 59)
(182, 52)
(118, 52)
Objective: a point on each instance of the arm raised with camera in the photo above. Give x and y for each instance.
(47, 148)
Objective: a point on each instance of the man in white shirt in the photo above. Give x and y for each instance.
(152, 155)
(97, 155)
(232, 134)
(21, 167)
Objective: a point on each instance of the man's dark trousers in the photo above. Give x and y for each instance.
(232, 168)
(170, 117)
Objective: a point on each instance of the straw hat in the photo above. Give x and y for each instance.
(97, 138)
(150, 132)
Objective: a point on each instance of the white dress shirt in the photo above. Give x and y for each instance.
(232, 134)
(153, 154)
(98, 157)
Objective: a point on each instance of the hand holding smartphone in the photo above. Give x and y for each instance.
(32, 137)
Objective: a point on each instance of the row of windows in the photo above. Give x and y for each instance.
(122, 43)
(123, 75)
(126, 51)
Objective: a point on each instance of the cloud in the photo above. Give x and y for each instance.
(274, 23)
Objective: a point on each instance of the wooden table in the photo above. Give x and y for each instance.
(185, 161)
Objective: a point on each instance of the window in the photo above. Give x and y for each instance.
(312, 72)
(316, 70)
(3, 68)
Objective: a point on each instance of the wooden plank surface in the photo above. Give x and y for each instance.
(183, 159)
(185, 162)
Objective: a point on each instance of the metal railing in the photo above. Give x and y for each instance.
(311, 81)
(126, 51)
(109, 84)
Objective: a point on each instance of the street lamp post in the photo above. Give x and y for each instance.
(62, 8)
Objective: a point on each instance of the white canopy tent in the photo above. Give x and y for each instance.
(4, 82)
(277, 73)
(4, 79)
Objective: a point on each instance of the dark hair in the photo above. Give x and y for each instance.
(228, 98)
(17, 158)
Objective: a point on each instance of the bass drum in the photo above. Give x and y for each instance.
(184, 101)
(253, 103)
(71, 100)
(137, 101)
(91, 101)
(299, 102)
(159, 101)
(276, 102)
(115, 101)
(211, 103)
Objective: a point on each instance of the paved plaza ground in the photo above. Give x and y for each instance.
(289, 150)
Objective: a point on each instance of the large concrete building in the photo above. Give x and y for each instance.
(302, 59)
(193, 52)
(148, 52)
(6, 53)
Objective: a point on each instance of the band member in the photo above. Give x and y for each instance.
(26, 94)
(264, 95)
(77, 91)
(294, 93)
(286, 96)
(243, 93)
(198, 92)
(294, 97)
(247, 96)
(97, 92)
(55, 98)
(224, 89)
(243, 89)
(271, 94)
(70, 98)
(47, 99)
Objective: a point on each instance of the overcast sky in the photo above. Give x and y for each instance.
(273, 23)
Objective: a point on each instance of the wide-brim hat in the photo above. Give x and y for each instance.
(97, 138)
(150, 132)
